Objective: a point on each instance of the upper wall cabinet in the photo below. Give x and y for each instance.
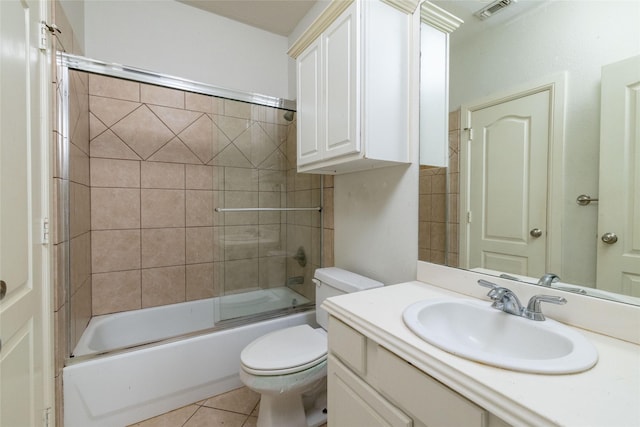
(353, 71)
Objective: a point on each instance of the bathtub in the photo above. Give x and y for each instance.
(127, 387)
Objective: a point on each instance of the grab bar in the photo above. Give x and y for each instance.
(318, 208)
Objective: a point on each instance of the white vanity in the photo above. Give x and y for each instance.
(382, 374)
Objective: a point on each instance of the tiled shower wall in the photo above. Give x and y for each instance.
(161, 161)
(438, 205)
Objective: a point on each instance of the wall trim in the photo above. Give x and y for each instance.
(439, 18)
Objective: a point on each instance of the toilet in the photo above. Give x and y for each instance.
(288, 367)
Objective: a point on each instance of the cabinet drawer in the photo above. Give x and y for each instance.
(353, 403)
(423, 397)
(349, 345)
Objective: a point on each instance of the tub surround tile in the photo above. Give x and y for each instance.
(232, 127)
(175, 152)
(161, 96)
(200, 281)
(162, 286)
(197, 137)
(232, 157)
(241, 179)
(108, 145)
(238, 109)
(78, 165)
(116, 291)
(255, 144)
(176, 119)
(163, 247)
(202, 103)
(199, 177)
(115, 208)
(199, 208)
(115, 250)
(112, 87)
(199, 245)
(110, 111)
(163, 208)
(162, 175)
(115, 173)
(143, 131)
(240, 275)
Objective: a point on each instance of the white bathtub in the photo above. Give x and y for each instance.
(124, 388)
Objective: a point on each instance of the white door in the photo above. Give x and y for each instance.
(506, 181)
(22, 362)
(618, 267)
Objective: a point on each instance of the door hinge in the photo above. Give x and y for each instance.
(45, 30)
(45, 231)
(47, 417)
(468, 217)
(470, 131)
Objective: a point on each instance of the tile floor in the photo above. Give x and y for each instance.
(236, 408)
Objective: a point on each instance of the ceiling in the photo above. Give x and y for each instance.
(276, 16)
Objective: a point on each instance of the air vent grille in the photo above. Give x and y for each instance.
(493, 8)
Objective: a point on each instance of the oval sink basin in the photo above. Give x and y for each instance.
(476, 331)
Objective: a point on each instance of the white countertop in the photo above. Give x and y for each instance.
(607, 395)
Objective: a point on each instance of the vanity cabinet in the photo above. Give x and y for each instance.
(369, 385)
(353, 89)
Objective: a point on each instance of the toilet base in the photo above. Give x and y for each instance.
(287, 410)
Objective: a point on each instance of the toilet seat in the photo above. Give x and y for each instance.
(285, 351)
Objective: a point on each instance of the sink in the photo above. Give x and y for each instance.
(473, 330)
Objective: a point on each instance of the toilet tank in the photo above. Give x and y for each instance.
(333, 281)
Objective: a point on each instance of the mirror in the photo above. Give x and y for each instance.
(526, 44)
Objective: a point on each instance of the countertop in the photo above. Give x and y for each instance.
(607, 395)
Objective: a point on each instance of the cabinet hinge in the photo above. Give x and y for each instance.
(45, 231)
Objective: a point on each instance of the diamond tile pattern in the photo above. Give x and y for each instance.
(143, 131)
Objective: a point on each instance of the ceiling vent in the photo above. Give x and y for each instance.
(493, 8)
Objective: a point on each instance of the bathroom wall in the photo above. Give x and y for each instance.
(169, 37)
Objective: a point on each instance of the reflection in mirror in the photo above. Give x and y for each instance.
(515, 51)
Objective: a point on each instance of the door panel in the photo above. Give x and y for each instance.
(21, 354)
(618, 267)
(511, 137)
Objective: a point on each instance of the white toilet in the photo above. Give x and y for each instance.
(289, 367)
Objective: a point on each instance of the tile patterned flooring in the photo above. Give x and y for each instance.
(236, 408)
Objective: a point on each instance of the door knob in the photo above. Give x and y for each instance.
(535, 232)
(3, 289)
(609, 238)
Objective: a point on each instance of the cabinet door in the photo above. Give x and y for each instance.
(341, 77)
(353, 403)
(309, 99)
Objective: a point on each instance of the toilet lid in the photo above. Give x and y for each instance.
(285, 351)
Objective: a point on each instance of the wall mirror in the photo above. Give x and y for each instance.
(574, 60)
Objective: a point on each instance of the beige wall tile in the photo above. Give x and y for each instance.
(175, 152)
(198, 137)
(232, 127)
(176, 119)
(237, 109)
(241, 179)
(115, 250)
(327, 208)
(272, 271)
(327, 250)
(117, 291)
(439, 183)
(161, 96)
(200, 283)
(112, 87)
(115, 173)
(80, 261)
(80, 209)
(163, 247)
(241, 242)
(240, 199)
(115, 208)
(198, 102)
(143, 131)
(163, 208)
(199, 205)
(78, 165)
(240, 275)
(164, 285)
(110, 111)
(199, 245)
(439, 208)
(80, 311)
(438, 236)
(162, 175)
(108, 145)
(199, 177)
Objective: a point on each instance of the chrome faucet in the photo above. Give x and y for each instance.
(505, 300)
(547, 279)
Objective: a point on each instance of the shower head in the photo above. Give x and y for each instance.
(288, 116)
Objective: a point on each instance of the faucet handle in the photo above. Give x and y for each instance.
(496, 293)
(533, 310)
